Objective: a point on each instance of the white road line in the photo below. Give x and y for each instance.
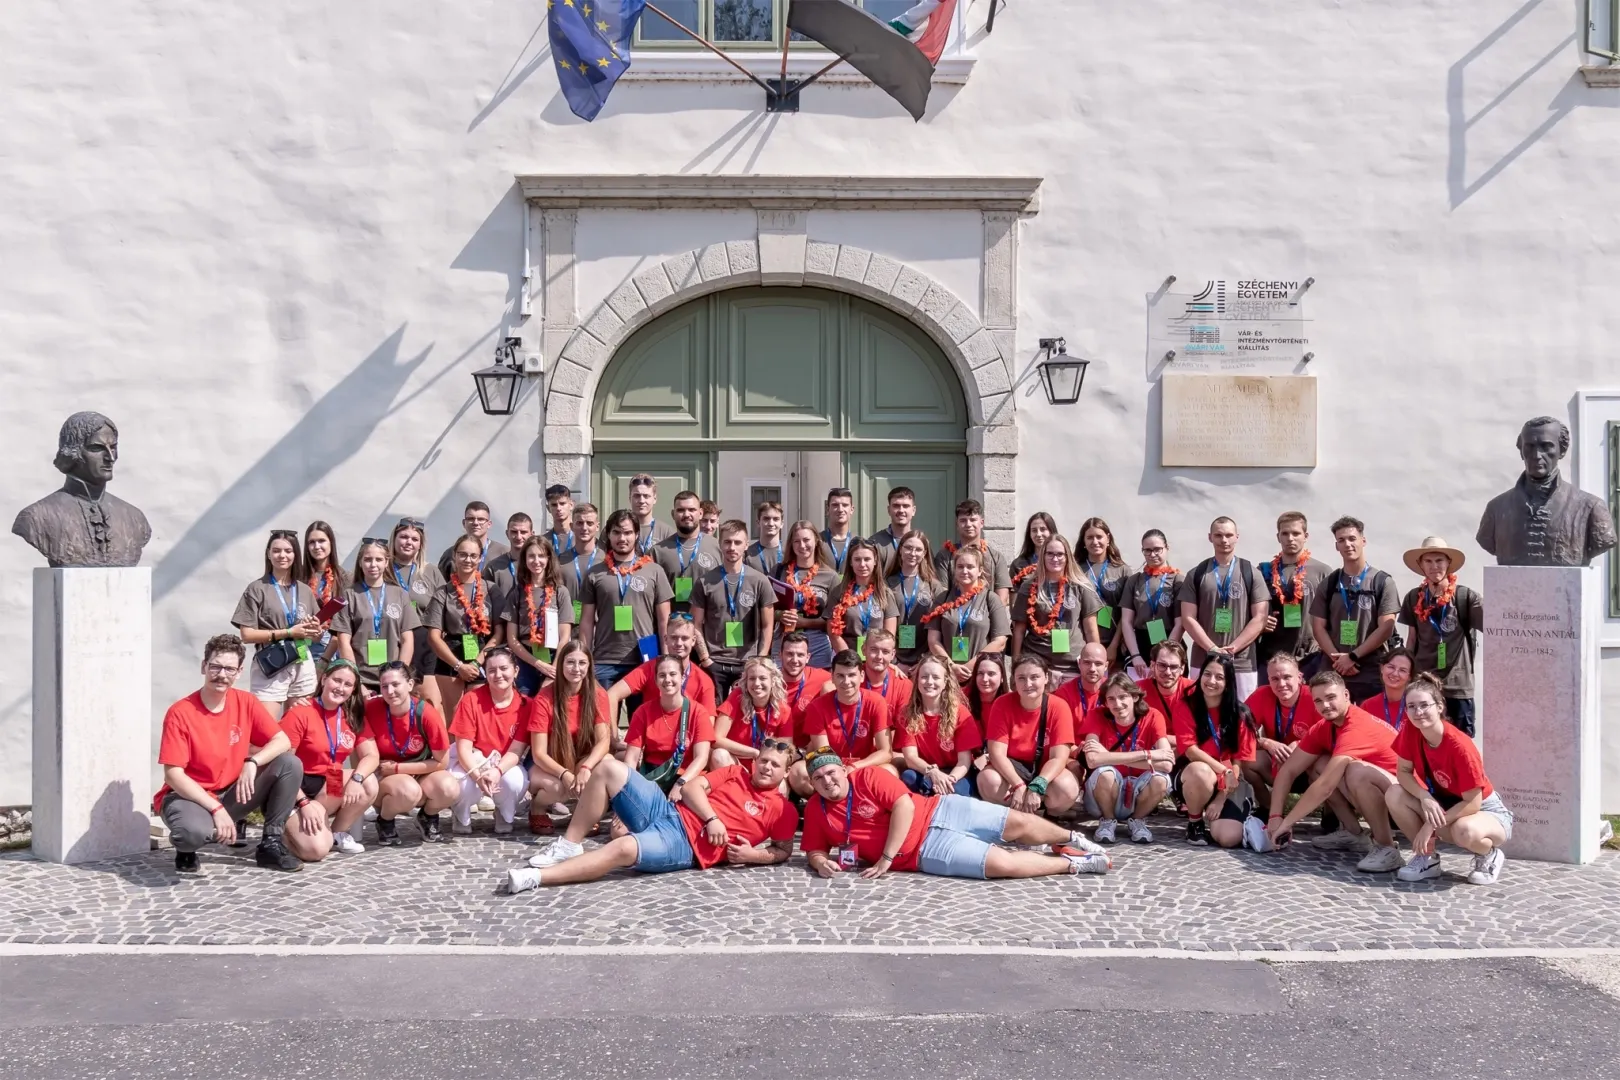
(1281, 956)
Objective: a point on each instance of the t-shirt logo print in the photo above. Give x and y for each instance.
(947, 745)
(638, 585)
(1442, 778)
(706, 560)
(753, 808)
(866, 809)
(392, 611)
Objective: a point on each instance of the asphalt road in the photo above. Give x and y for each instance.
(799, 1015)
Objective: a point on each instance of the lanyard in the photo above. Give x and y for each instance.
(798, 691)
(849, 813)
(1223, 590)
(1154, 601)
(624, 582)
(1099, 580)
(845, 735)
(1283, 732)
(837, 552)
(686, 679)
(1214, 732)
(1061, 603)
(646, 543)
(910, 601)
(482, 552)
(731, 594)
(962, 617)
(333, 735)
(1080, 692)
(1437, 616)
(579, 579)
(1133, 734)
(868, 606)
(1344, 596)
(769, 717)
(558, 548)
(290, 612)
(410, 718)
(680, 553)
(894, 541)
(887, 675)
(1400, 713)
(798, 598)
(405, 582)
(376, 612)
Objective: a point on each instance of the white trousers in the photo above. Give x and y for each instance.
(514, 782)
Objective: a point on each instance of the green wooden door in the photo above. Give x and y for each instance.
(940, 481)
(675, 472)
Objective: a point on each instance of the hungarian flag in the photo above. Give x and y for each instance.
(881, 51)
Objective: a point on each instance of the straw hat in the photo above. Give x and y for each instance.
(1432, 544)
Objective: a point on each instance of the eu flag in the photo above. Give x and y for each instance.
(590, 43)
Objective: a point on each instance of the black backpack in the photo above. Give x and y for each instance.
(1245, 569)
(1330, 585)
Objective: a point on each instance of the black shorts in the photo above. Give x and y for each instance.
(1231, 809)
(423, 659)
(313, 785)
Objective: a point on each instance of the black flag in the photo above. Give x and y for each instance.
(869, 46)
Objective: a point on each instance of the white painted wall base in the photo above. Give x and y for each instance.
(1541, 705)
(92, 712)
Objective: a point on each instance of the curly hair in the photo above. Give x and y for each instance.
(76, 431)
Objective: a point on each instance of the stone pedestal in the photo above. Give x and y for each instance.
(92, 712)
(1540, 707)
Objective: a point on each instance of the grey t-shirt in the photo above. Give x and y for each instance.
(1456, 622)
(262, 608)
(718, 593)
(914, 599)
(1078, 600)
(868, 615)
(1222, 589)
(493, 551)
(1150, 597)
(450, 618)
(641, 592)
(981, 622)
(995, 576)
(515, 612)
(650, 535)
(685, 561)
(1109, 585)
(1297, 642)
(420, 583)
(765, 560)
(1361, 600)
(383, 613)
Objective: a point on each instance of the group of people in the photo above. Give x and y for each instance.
(915, 708)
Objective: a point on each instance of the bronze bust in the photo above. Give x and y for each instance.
(1543, 520)
(82, 524)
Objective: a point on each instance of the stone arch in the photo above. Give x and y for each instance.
(972, 350)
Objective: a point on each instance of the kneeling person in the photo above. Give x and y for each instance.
(1128, 748)
(723, 816)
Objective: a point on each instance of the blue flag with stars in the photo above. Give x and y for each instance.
(590, 44)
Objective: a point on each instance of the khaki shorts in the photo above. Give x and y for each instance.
(293, 681)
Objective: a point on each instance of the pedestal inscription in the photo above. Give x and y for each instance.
(1243, 421)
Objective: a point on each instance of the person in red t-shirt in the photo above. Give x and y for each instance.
(1166, 689)
(212, 776)
(1084, 694)
(1283, 712)
(880, 675)
(722, 817)
(852, 722)
(323, 732)
(1214, 736)
(802, 682)
(1389, 704)
(407, 747)
(1028, 767)
(1127, 746)
(658, 747)
(937, 733)
(566, 751)
(639, 685)
(1350, 756)
(1442, 791)
(488, 729)
(867, 815)
(756, 710)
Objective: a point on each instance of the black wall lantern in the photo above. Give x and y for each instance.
(1062, 375)
(498, 384)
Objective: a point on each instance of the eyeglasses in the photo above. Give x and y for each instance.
(221, 669)
(1154, 550)
(283, 534)
(1162, 666)
(410, 523)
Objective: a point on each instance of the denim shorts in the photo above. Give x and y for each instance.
(608, 674)
(1129, 788)
(1495, 807)
(960, 837)
(661, 844)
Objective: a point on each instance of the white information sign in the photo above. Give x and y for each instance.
(1231, 325)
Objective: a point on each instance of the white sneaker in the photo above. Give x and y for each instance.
(1344, 840)
(557, 809)
(1487, 867)
(486, 805)
(1381, 860)
(503, 826)
(347, 844)
(1140, 833)
(1421, 868)
(1104, 832)
(522, 880)
(370, 814)
(560, 849)
(1255, 837)
(459, 827)
(1090, 864)
(1080, 843)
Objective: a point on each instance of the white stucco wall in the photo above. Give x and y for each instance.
(271, 242)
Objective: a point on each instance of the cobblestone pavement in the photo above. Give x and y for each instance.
(1164, 896)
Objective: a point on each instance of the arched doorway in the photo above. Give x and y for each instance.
(754, 392)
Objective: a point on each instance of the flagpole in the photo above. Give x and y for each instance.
(806, 82)
(761, 82)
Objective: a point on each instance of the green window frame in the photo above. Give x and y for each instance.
(711, 19)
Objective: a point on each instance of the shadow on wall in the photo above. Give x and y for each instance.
(327, 436)
(1572, 94)
(515, 75)
(115, 813)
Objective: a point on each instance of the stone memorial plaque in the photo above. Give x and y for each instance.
(1241, 421)
(1539, 708)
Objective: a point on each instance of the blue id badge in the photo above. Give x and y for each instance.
(648, 646)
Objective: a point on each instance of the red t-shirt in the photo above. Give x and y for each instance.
(1184, 728)
(1454, 765)
(1390, 712)
(655, 731)
(697, 686)
(401, 738)
(938, 752)
(801, 693)
(543, 711)
(1173, 706)
(751, 816)
(1362, 736)
(322, 741)
(850, 731)
(1070, 694)
(211, 747)
(1009, 722)
(874, 793)
(1269, 713)
(894, 688)
(778, 725)
(491, 730)
(1116, 740)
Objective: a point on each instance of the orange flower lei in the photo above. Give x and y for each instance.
(977, 545)
(614, 565)
(1299, 577)
(1423, 610)
(961, 601)
(835, 623)
(535, 610)
(477, 618)
(1020, 576)
(1057, 609)
(807, 596)
(1155, 571)
(328, 582)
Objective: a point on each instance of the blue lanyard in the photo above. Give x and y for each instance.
(846, 734)
(1215, 733)
(755, 723)
(558, 548)
(798, 600)
(680, 553)
(1134, 734)
(884, 691)
(332, 734)
(1099, 580)
(1086, 707)
(1158, 594)
(579, 579)
(482, 552)
(1284, 732)
(894, 541)
(1223, 590)
(405, 582)
(624, 582)
(1062, 602)
(849, 812)
(1400, 713)
(1344, 596)
(290, 612)
(410, 718)
(731, 594)
(910, 601)
(376, 612)
(962, 617)
(1437, 616)
(645, 544)
(837, 552)
(867, 609)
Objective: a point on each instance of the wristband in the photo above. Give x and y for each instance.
(1038, 785)
(710, 819)
(303, 800)
(885, 857)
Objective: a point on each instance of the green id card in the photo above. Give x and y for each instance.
(1105, 618)
(376, 652)
(1223, 620)
(734, 635)
(579, 611)
(1440, 660)
(469, 646)
(961, 649)
(1156, 631)
(1060, 641)
(683, 590)
(623, 618)
(303, 652)
(541, 653)
(860, 646)
(1292, 616)
(908, 637)
(1349, 632)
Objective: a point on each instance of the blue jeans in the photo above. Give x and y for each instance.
(661, 844)
(1460, 711)
(528, 680)
(959, 838)
(917, 782)
(608, 674)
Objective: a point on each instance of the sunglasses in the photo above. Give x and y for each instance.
(378, 540)
(642, 480)
(779, 745)
(283, 534)
(410, 523)
(679, 616)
